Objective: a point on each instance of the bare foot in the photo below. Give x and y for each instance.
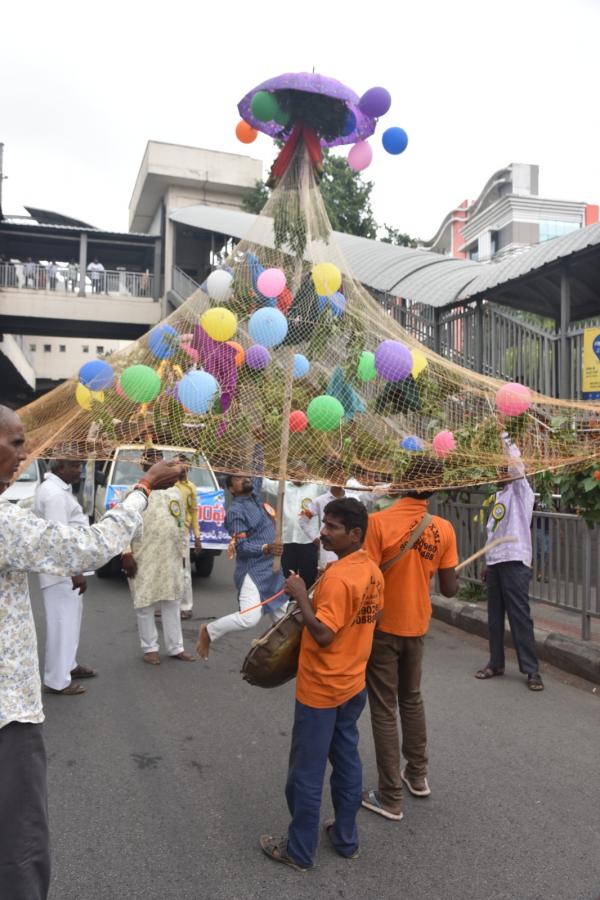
(185, 657)
(203, 645)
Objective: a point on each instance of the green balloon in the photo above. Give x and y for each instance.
(325, 413)
(140, 383)
(264, 106)
(366, 366)
(281, 117)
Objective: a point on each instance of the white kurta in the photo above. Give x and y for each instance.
(158, 555)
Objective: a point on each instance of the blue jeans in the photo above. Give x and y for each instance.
(319, 735)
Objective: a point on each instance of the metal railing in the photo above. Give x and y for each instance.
(566, 557)
(183, 285)
(37, 277)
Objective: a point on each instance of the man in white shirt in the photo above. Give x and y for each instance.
(300, 543)
(63, 604)
(30, 544)
(96, 270)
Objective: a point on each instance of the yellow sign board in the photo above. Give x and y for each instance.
(590, 382)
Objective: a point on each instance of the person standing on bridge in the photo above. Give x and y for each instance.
(96, 270)
(410, 546)
(508, 572)
(30, 544)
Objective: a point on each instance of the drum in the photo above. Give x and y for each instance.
(273, 658)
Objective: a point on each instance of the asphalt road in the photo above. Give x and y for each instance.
(162, 779)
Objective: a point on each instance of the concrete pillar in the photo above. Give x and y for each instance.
(156, 270)
(564, 383)
(82, 262)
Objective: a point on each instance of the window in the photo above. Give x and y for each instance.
(62, 348)
(85, 348)
(549, 230)
(99, 349)
(47, 348)
(32, 348)
(493, 243)
(473, 251)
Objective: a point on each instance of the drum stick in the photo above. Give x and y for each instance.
(501, 540)
(275, 596)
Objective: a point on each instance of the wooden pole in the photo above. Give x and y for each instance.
(501, 540)
(283, 453)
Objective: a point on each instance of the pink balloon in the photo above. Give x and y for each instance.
(271, 282)
(118, 389)
(191, 352)
(513, 399)
(443, 443)
(360, 156)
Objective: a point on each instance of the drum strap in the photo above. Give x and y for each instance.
(410, 543)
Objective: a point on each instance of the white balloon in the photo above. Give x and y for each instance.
(218, 285)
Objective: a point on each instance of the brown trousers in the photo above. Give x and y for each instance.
(394, 683)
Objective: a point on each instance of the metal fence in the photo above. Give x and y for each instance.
(566, 557)
(183, 285)
(37, 277)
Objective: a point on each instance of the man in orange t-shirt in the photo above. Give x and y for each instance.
(394, 669)
(330, 690)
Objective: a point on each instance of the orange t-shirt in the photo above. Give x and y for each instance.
(347, 600)
(407, 603)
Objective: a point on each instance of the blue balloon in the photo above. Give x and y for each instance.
(163, 341)
(255, 269)
(96, 375)
(413, 444)
(301, 365)
(349, 124)
(267, 326)
(196, 391)
(394, 140)
(337, 302)
(322, 301)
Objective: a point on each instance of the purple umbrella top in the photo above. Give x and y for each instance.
(363, 125)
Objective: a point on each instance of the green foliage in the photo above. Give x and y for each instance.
(580, 492)
(472, 592)
(400, 238)
(254, 200)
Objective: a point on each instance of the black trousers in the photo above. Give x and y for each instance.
(24, 838)
(302, 559)
(508, 594)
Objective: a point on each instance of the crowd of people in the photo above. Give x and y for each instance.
(362, 581)
(45, 275)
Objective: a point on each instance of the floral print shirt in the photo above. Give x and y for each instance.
(30, 544)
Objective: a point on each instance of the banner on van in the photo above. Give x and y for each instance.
(211, 514)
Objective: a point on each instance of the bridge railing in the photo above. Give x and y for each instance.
(111, 282)
(183, 285)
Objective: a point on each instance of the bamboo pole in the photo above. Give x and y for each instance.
(501, 540)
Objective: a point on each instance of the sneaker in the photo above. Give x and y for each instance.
(418, 787)
(370, 800)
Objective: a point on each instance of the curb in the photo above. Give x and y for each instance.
(578, 657)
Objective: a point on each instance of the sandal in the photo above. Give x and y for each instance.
(371, 801)
(488, 672)
(83, 672)
(328, 826)
(185, 657)
(152, 658)
(276, 849)
(534, 682)
(69, 691)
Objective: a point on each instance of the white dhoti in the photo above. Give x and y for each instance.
(64, 608)
(249, 596)
(188, 594)
(171, 624)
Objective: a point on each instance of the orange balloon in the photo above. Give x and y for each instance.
(245, 133)
(240, 354)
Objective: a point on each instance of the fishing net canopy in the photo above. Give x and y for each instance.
(283, 347)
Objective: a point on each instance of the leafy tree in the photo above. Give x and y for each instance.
(395, 236)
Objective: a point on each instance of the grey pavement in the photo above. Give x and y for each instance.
(162, 779)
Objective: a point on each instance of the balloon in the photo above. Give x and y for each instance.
(349, 124)
(325, 412)
(375, 102)
(191, 352)
(360, 156)
(366, 366)
(322, 301)
(419, 363)
(271, 282)
(264, 106)
(281, 117)
(219, 323)
(284, 301)
(301, 365)
(412, 444)
(298, 420)
(218, 285)
(96, 375)
(245, 132)
(393, 361)
(239, 356)
(268, 326)
(443, 443)
(394, 140)
(163, 341)
(338, 304)
(196, 391)
(327, 279)
(118, 389)
(257, 357)
(513, 399)
(140, 383)
(85, 397)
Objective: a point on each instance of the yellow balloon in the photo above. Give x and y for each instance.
(219, 323)
(327, 279)
(84, 397)
(419, 363)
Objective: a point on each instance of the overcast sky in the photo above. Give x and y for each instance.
(476, 84)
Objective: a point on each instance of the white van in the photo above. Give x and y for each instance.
(117, 475)
(22, 490)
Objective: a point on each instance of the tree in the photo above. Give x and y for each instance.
(395, 236)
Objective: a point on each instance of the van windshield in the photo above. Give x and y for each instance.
(128, 471)
(30, 473)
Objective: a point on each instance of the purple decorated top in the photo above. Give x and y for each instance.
(313, 84)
